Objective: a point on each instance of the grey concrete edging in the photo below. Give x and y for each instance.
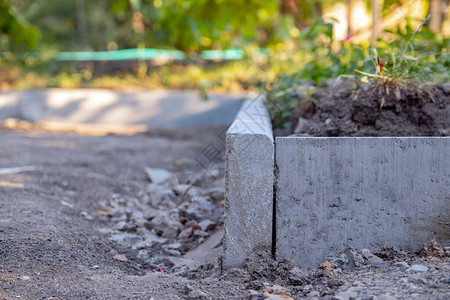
(332, 194)
(249, 184)
(336, 193)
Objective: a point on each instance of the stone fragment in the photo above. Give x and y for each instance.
(171, 232)
(313, 294)
(298, 276)
(86, 215)
(326, 265)
(206, 225)
(401, 264)
(121, 226)
(447, 251)
(417, 268)
(186, 233)
(345, 295)
(151, 213)
(217, 194)
(120, 257)
(373, 259)
(334, 282)
(277, 292)
(387, 297)
(157, 175)
(253, 295)
(196, 295)
(434, 249)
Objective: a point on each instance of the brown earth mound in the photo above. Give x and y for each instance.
(379, 110)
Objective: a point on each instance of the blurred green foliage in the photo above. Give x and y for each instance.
(176, 24)
(15, 32)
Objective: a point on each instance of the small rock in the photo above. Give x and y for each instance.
(174, 246)
(121, 226)
(142, 254)
(120, 257)
(298, 276)
(201, 233)
(434, 249)
(417, 268)
(401, 264)
(186, 233)
(206, 225)
(277, 292)
(355, 258)
(158, 176)
(328, 121)
(217, 194)
(196, 295)
(447, 251)
(373, 259)
(326, 265)
(154, 238)
(142, 245)
(25, 278)
(170, 232)
(389, 297)
(126, 238)
(334, 282)
(159, 224)
(314, 294)
(198, 208)
(253, 295)
(345, 295)
(278, 297)
(150, 214)
(86, 215)
(181, 188)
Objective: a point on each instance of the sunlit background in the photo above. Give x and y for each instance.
(224, 45)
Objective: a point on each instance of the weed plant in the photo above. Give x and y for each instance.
(412, 55)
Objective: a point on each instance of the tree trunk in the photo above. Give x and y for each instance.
(376, 20)
(80, 21)
(350, 29)
(436, 10)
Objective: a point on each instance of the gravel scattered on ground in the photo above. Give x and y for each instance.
(88, 217)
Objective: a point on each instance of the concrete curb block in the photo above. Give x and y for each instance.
(249, 184)
(336, 193)
(332, 194)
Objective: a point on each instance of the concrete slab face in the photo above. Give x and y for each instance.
(9, 102)
(155, 109)
(249, 184)
(360, 192)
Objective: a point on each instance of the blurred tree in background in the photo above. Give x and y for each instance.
(15, 32)
(298, 34)
(186, 25)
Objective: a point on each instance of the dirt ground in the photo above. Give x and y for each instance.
(51, 248)
(375, 110)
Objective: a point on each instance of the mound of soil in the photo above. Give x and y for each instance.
(379, 110)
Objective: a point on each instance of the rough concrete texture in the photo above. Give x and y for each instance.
(249, 184)
(155, 109)
(360, 192)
